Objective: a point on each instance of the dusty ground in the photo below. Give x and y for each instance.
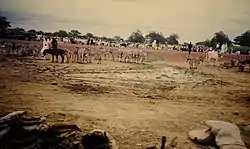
(136, 103)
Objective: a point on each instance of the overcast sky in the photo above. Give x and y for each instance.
(193, 20)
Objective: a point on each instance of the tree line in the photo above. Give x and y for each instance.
(136, 37)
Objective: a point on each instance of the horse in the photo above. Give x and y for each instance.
(58, 52)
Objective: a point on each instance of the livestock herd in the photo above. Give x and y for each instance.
(25, 49)
(81, 54)
(87, 53)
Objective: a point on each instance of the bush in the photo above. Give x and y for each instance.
(240, 48)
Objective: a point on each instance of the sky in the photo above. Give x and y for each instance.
(192, 20)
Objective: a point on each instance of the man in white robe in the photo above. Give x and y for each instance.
(45, 45)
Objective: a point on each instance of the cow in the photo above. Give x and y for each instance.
(98, 57)
(123, 45)
(213, 55)
(81, 55)
(58, 52)
(193, 62)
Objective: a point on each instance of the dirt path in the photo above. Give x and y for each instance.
(136, 103)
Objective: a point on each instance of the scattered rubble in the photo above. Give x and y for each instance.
(18, 131)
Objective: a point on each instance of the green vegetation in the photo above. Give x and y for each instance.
(193, 72)
(154, 58)
(240, 48)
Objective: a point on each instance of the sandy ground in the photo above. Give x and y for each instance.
(136, 103)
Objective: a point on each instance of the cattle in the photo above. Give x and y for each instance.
(213, 55)
(123, 45)
(241, 67)
(131, 57)
(57, 52)
(98, 57)
(81, 55)
(193, 62)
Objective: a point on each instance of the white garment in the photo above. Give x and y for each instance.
(226, 134)
(45, 46)
(217, 46)
(224, 48)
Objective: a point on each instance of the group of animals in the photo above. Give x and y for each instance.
(215, 56)
(26, 49)
(87, 54)
(195, 61)
(77, 55)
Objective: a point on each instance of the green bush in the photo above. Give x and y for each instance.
(240, 48)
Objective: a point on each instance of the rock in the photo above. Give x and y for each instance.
(98, 139)
(152, 147)
(236, 113)
(13, 115)
(54, 83)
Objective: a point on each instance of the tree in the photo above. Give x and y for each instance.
(110, 39)
(40, 32)
(173, 39)
(206, 43)
(4, 23)
(47, 33)
(18, 29)
(118, 38)
(90, 35)
(61, 33)
(32, 31)
(220, 38)
(156, 36)
(74, 33)
(243, 39)
(136, 37)
(104, 38)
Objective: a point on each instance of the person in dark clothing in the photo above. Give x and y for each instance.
(88, 41)
(190, 48)
(91, 41)
(13, 45)
(54, 43)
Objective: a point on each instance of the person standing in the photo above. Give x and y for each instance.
(54, 43)
(45, 45)
(190, 48)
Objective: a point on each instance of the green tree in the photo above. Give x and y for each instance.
(173, 39)
(206, 43)
(220, 38)
(33, 31)
(4, 23)
(40, 32)
(61, 33)
(74, 33)
(136, 37)
(18, 29)
(48, 34)
(118, 38)
(156, 36)
(104, 38)
(243, 39)
(89, 35)
(110, 39)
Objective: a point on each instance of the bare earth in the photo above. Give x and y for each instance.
(136, 103)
